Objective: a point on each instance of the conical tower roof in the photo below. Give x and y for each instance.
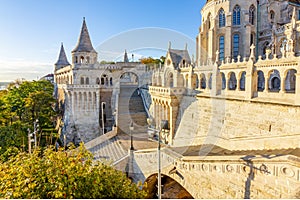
(62, 58)
(84, 42)
(126, 60)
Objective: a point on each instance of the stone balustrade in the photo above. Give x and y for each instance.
(167, 91)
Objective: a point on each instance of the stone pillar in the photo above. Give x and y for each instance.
(282, 84)
(251, 81)
(266, 84)
(246, 41)
(238, 83)
(228, 36)
(297, 89)
(210, 44)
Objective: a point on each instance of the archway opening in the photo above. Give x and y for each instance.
(290, 81)
(274, 81)
(171, 189)
(260, 81)
(129, 78)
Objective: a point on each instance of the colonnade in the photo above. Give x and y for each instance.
(81, 101)
(165, 110)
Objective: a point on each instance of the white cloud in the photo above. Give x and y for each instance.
(19, 68)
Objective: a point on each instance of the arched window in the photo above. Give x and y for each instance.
(111, 81)
(252, 14)
(252, 38)
(232, 81)
(290, 81)
(260, 81)
(81, 60)
(221, 48)
(203, 81)
(170, 81)
(223, 81)
(236, 18)
(82, 80)
(98, 81)
(272, 15)
(274, 81)
(87, 81)
(243, 81)
(222, 19)
(236, 45)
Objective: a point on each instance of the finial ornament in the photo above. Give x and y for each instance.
(217, 55)
(252, 56)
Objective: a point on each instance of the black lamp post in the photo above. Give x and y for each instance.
(131, 128)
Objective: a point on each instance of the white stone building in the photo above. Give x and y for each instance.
(85, 84)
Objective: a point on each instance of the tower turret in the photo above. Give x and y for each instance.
(62, 59)
(126, 60)
(84, 52)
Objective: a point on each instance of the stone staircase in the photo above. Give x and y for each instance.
(131, 108)
(113, 146)
(109, 150)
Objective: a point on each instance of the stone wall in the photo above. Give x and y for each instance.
(239, 125)
(222, 177)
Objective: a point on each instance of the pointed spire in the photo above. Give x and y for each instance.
(84, 42)
(126, 60)
(62, 58)
(186, 46)
(170, 45)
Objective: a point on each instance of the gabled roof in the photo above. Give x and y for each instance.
(84, 42)
(178, 56)
(62, 58)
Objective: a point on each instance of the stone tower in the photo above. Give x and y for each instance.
(84, 52)
(62, 59)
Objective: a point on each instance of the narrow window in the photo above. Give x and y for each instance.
(236, 41)
(252, 39)
(272, 15)
(82, 81)
(222, 20)
(221, 48)
(87, 81)
(237, 15)
(252, 15)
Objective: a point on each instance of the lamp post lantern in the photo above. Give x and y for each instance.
(102, 115)
(131, 128)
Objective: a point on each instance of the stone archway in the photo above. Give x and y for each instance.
(129, 78)
(171, 189)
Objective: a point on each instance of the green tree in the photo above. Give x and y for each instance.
(23, 103)
(59, 174)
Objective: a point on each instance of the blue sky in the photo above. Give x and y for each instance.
(32, 30)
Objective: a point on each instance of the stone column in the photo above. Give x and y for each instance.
(297, 89)
(266, 84)
(282, 84)
(228, 36)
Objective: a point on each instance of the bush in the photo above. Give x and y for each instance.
(59, 174)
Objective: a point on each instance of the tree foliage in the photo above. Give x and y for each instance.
(151, 60)
(21, 105)
(60, 174)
